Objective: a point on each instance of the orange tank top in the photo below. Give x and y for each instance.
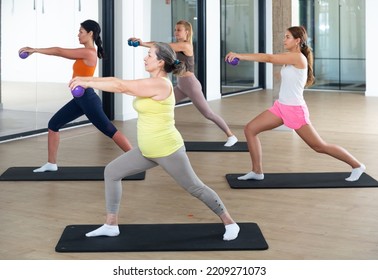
(81, 69)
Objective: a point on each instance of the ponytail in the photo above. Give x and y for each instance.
(90, 25)
(100, 49)
(171, 63)
(307, 52)
(300, 32)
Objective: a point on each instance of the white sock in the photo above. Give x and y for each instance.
(47, 167)
(252, 176)
(104, 230)
(232, 231)
(356, 173)
(231, 141)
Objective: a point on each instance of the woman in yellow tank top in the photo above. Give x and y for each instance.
(188, 86)
(89, 104)
(159, 142)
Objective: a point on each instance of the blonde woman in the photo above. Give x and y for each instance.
(187, 84)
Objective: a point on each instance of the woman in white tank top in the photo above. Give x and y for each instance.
(290, 108)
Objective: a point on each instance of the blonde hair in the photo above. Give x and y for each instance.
(188, 27)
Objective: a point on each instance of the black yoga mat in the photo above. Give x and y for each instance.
(207, 146)
(301, 180)
(161, 237)
(72, 173)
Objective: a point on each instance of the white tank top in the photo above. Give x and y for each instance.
(293, 81)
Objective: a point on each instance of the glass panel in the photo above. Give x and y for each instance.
(18, 83)
(352, 45)
(163, 22)
(327, 74)
(338, 29)
(353, 80)
(187, 10)
(33, 89)
(239, 34)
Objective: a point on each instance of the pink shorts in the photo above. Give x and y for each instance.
(293, 117)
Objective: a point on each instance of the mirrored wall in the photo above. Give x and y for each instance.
(163, 24)
(240, 25)
(34, 88)
(337, 35)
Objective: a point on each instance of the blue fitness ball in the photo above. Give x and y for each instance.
(133, 43)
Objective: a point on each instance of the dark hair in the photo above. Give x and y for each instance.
(91, 25)
(172, 64)
(300, 32)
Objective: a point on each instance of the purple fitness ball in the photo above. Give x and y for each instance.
(23, 55)
(233, 62)
(78, 91)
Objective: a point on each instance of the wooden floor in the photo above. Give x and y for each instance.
(311, 224)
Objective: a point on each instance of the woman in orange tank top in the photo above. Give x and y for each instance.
(90, 103)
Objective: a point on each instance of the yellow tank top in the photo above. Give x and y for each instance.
(156, 131)
(83, 70)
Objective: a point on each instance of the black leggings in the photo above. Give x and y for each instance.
(90, 105)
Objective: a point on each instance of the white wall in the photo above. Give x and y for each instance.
(129, 60)
(39, 83)
(371, 48)
(134, 18)
(50, 24)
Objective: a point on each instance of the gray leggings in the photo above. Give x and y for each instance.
(189, 86)
(177, 165)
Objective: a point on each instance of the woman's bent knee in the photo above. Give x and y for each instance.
(109, 173)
